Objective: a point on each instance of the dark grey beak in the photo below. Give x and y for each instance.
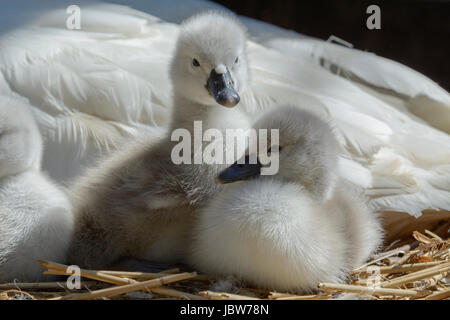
(220, 86)
(238, 172)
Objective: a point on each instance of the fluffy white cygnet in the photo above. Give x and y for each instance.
(291, 230)
(35, 214)
(140, 202)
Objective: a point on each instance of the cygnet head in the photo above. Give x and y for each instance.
(307, 151)
(210, 62)
(20, 139)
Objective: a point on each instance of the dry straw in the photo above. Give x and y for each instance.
(419, 270)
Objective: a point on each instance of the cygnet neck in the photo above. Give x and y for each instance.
(186, 111)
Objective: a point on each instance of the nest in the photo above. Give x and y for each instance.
(416, 270)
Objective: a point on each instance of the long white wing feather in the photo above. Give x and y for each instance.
(90, 88)
(408, 158)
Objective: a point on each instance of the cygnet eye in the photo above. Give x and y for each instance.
(237, 60)
(195, 63)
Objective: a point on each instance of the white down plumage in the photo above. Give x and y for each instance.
(291, 230)
(35, 214)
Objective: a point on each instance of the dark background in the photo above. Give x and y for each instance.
(415, 33)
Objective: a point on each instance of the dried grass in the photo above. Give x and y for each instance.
(418, 270)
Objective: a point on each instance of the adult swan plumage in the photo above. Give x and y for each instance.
(91, 89)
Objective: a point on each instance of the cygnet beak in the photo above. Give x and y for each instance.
(238, 172)
(220, 86)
